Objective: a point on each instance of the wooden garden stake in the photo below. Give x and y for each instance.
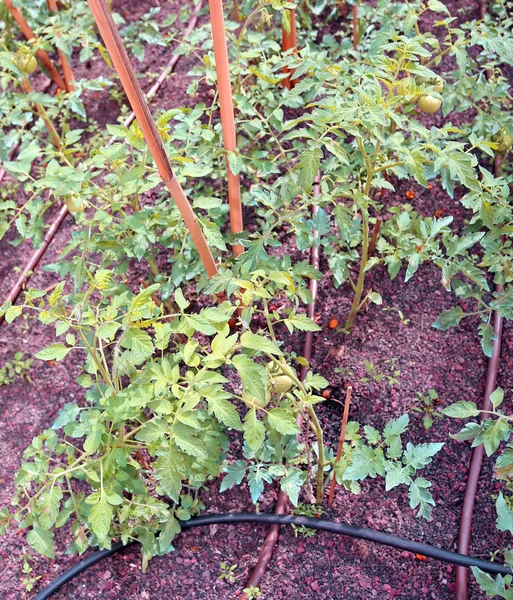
(340, 442)
(66, 68)
(289, 42)
(227, 115)
(41, 54)
(125, 71)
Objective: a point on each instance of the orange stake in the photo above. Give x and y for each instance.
(227, 115)
(29, 34)
(341, 441)
(125, 71)
(288, 42)
(66, 68)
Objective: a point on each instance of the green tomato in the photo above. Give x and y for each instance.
(74, 204)
(281, 384)
(429, 104)
(504, 141)
(26, 63)
(439, 85)
(252, 402)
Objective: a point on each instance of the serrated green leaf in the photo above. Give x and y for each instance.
(170, 480)
(100, 517)
(107, 331)
(258, 342)
(152, 431)
(496, 397)
(41, 541)
(189, 444)
(254, 377)
(283, 421)
(225, 412)
(449, 318)
(504, 515)
(396, 426)
(53, 352)
(461, 410)
(254, 430)
(291, 483)
(301, 322)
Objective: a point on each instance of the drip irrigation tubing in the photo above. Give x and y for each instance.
(353, 531)
(36, 256)
(476, 461)
(281, 503)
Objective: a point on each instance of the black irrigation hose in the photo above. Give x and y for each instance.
(273, 519)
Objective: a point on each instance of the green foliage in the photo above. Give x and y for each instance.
(384, 455)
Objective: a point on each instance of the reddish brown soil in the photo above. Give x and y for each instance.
(325, 566)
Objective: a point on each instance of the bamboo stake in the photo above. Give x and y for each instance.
(41, 54)
(227, 115)
(340, 442)
(66, 68)
(124, 69)
(288, 42)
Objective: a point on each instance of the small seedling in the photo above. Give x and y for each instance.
(377, 376)
(252, 592)
(28, 582)
(306, 510)
(428, 403)
(18, 367)
(400, 314)
(227, 572)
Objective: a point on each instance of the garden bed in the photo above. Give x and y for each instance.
(408, 357)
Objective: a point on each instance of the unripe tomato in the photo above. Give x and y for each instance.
(504, 141)
(252, 402)
(439, 85)
(74, 204)
(26, 63)
(281, 384)
(429, 104)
